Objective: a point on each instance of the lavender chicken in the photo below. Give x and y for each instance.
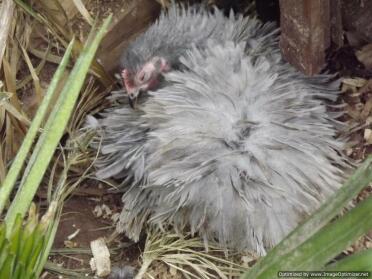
(226, 140)
(159, 50)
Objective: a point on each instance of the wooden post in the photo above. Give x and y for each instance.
(305, 36)
(356, 16)
(337, 32)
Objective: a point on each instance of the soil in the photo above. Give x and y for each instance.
(80, 225)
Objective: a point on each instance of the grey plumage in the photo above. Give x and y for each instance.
(236, 145)
(123, 272)
(179, 29)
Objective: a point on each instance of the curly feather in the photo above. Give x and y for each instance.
(238, 146)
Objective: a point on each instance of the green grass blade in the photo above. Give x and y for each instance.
(19, 271)
(4, 253)
(54, 128)
(28, 242)
(15, 236)
(36, 253)
(327, 243)
(6, 269)
(21, 156)
(361, 177)
(361, 261)
(2, 236)
(49, 239)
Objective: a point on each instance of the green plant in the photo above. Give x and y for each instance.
(25, 248)
(22, 245)
(313, 244)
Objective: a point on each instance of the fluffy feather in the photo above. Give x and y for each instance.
(237, 146)
(180, 28)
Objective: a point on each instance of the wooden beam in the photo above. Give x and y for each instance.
(305, 36)
(128, 24)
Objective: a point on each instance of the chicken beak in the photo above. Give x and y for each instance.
(132, 97)
(132, 102)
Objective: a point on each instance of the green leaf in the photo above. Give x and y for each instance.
(328, 242)
(24, 247)
(4, 253)
(15, 236)
(19, 271)
(31, 265)
(6, 269)
(54, 129)
(325, 244)
(361, 261)
(2, 235)
(27, 242)
(25, 148)
(49, 239)
(361, 177)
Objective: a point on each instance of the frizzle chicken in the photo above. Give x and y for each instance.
(159, 50)
(227, 140)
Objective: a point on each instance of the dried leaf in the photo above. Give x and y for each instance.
(15, 112)
(367, 110)
(83, 11)
(69, 7)
(10, 83)
(48, 57)
(365, 56)
(6, 17)
(41, 65)
(35, 78)
(368, 136)
(353, 113)
(367, 87)
(2, 165)
(356, 82)
(56, 16)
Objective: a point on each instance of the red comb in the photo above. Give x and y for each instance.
(127, 79)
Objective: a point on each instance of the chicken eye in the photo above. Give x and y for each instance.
(143, 76)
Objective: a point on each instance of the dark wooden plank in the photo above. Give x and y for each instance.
(128, 24)
(337, 32)
(357, 19)
(305, 36)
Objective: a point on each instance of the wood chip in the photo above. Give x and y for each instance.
(367, 110)
(101, 257)
(365, 56)
(73, 235)
(70, 244)
(357, 82)
(102, 211)
(368, 136)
